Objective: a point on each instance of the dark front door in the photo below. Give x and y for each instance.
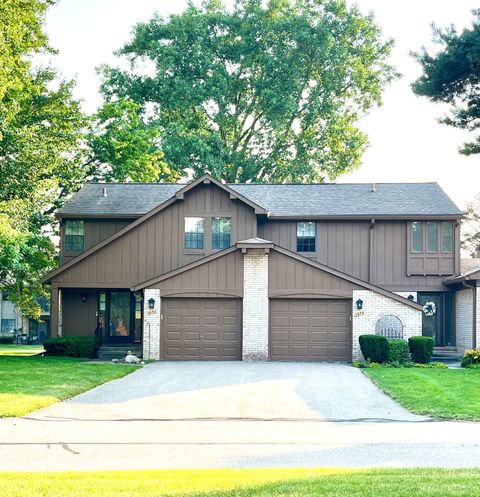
(120, 316)
(439, 323)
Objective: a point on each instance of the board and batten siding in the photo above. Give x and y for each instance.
(377, 254)
(96, 230)
(288, 277)
(80, 317)
(221, 277)
(156, 246)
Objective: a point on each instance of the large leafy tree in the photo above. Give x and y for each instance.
(471, 228)
(266, 91)
(452, 76)
(41, 142)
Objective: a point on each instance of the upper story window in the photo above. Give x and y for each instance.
(432, 236)
(194, 232)
(74, 236)
(306, 236)
(221, 231)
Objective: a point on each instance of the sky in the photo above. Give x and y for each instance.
(407, 144)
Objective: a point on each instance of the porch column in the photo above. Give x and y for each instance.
(255, 305)
(55, 319)
(151, 324)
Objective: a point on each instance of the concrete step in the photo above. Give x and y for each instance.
(446, 355)
(109, 352)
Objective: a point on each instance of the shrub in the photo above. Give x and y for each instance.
(398, 351)
(421, 349)
(373, 347)
(431, 365)
(71, 346)
(6, 339)
(471, 356)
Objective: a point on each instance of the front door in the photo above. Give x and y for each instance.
(439, 322)
(120, 316)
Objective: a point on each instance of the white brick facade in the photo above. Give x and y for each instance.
(375, 306)
(151, 324)
(255, 305)
(464, 319)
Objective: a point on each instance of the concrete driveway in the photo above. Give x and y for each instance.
(190, 414)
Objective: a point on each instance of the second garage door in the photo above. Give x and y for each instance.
(201, 329)
(310, 330)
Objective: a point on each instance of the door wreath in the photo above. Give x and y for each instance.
(429, 309)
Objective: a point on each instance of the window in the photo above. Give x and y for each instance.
(221, 231)
(306, 237)
(8, 325)
(432, 237)
(194, 230)
(417, 237)
(74, 235)
(447, 236)
(389, 326)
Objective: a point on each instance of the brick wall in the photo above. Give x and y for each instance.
(151, 324)
(375, 306)
(478, 318)
(464, 319)
(255, 305)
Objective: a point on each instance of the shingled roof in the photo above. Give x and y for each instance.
(281, 200)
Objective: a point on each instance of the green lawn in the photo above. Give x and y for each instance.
(441, 393)
(20, 350)
(28, 383)
(245, 483)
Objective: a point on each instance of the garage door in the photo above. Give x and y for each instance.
(310, 330)
(201, 329)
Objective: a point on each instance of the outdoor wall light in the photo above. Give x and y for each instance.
(84, 297)
(151, 303)
(359, 304)
(411, 297)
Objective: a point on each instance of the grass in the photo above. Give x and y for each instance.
(440, 393)
(20, 350)
(245, 483)
(29, 383)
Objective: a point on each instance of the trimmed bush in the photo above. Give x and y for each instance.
(373, 347)
(6, 339)
(421, 349)
(471, 357)
(398, 351)
(71, 346)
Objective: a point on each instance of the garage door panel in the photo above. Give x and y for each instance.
(201, 329)
(310, 330)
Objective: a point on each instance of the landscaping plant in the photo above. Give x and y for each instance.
(373, 347)
(471, 357)
(421, 349)
(398, 352)
(71, 346)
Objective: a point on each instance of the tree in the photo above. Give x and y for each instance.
(41, 146)
(471, 228)
(122, 147)
(452, 76)
(260, 92)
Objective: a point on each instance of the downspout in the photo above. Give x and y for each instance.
(370, 252)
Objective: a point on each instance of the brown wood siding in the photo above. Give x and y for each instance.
(79, 318)
(96, 230)
(155, 247)
(345, 246)
(390, 249)
(288, 277)
(222, 276)
(340, 245)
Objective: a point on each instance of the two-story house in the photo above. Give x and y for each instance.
(210, 271)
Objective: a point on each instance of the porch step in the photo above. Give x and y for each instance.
(109, 352)
(447, 355)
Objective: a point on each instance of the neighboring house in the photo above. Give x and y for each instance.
(13, 323)
(282, 272)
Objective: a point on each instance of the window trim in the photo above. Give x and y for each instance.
(65, 236)
(308, 252)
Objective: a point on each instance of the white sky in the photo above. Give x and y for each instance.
(406, 142)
